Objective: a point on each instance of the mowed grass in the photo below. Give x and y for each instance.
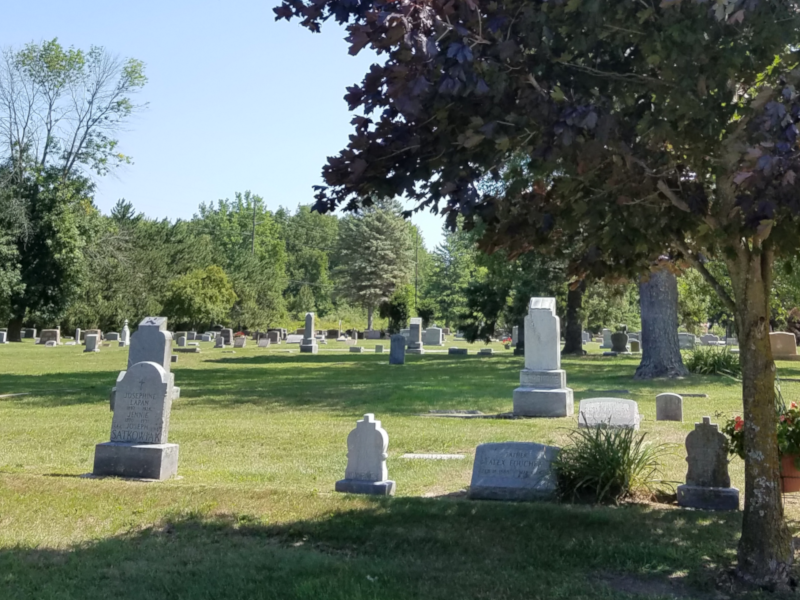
(262, 436)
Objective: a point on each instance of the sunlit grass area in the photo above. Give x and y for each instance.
(262, 436)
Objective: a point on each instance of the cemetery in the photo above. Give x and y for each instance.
(514, 316)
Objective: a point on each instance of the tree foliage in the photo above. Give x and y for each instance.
(201, 297)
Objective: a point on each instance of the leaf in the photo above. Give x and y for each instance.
(557, 94)
(573, 5)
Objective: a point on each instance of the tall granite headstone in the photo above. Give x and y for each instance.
(519, 349)
(92, 343)
(226, 333)
(606, 339)
(708, 485)
(309, 343)
(140, 427)
(397, 350)
(366, 471)
(543, 390)
(415, 345)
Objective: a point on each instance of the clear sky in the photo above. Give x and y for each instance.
(236, 100)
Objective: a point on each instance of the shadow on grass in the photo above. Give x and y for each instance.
(399, 548)
(348, 383)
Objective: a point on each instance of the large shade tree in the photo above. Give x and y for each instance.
(652, 129)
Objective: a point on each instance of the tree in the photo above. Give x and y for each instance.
(658, 299)
(658, 130)
(397, 309)
(453, 267)
(374, 256)
(202, 297)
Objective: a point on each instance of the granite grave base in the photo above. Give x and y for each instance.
(532, 402)
(708, 498)
(373, 488)
(137, 461)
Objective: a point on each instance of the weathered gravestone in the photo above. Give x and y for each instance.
(3, 337)
(112, 336)
(239, 341)
(586, 337)
(274, 337)
(206, 338)
(543, 390)
(709, 340)
(619, 342)
(686, 341)
(636, 347)
(514, 335)
(92, 343)
(357, 349)
(486, 352)
(220, 342)
(783, 345)
(519, 349)
(227, 334)
(139, 428)
(309, 343)
(458, 351)
(78, 335)
(125, 336)
(181, 339)
(513, 471)
(379, 348)
(708, 485)
(372, 334)
(263, 342)
(50, 335)
(397, 350)
(609, 412)
(191, 335)
(415, 345)
(366, 471)
(433, 337)
(29, 333)
(669, 407)
(606, 339)
(96, 332)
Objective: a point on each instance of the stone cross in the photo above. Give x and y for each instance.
(366, 471)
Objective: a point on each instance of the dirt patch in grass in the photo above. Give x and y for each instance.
(654, 587)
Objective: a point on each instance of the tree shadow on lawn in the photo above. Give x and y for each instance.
(400, 548)
(355, 384)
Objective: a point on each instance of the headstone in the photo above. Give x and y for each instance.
(357, 349)
(239, 341)
(635, 347)
(263, 342)
(513, 471)
(586, 337)
(220, 342)
(415, 345)
(446, 330)
(206, 338)
(191, 335)
(333, 334)
(174, 358)
(151, 342)
(397, 350)
(112, 336)
(379, 348)
(227, 334)
(543, 390)
(619, 342)
(519, 349)
(140, 427)
(606, 339)
(294, 339)
(274, 337)
(309, 343)
(708, 485)
(669, 407)
(433, 337)
(92, 343)
(29, 333)
(211, 334)
(609, 412)
(784, 346)
(366, 471)
(372, 334)
(50, 344)
(709, 340)
(485, 352)
(50, 335)
(78, 334)
(3, 337)
(125, 337)
(458, 351)
(686, 341)
(181, 340)
(514, 335)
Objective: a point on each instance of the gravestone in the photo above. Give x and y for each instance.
(274, 337)
(206, 338)
(586, 337)
(239, 341)
(784, 346)
(227, 334)
(609, 412)
(29, 333)
(357, 349)
(514, 335)
(309, 343)
(294, 339)
(51, 344)
(140, 427)
(669, 407)
(211, 334)
(112, 336)
(173, 358)
(50, 335)
(686, 341)
(78, 335)
(92, 343)
(709, 340)
(513, 471)
(181, 340)
(433, 337)
(708, 485)
(372, 334)
(606, 339)
(220, 342)
(263, 342)
(458, 351)
(366, 471)
(543, 390)
(96, 332)
(415, 345)
(486, 352)
(397, 350)
(619, 342)
(519, 349)
(635, 347)
(379, 348)
(191, 335)
(3, 337)
(125, 337)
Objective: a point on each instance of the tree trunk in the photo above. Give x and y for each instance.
(573, 332)
(370, 311)
(765, 548)
(15, 330)
(658, 301)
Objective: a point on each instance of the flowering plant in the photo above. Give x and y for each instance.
(788, 431)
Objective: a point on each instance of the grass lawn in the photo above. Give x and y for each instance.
(262, 436)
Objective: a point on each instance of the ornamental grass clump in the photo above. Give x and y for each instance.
(713, 361)
(607, 465)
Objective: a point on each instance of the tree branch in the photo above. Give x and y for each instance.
(710, 279)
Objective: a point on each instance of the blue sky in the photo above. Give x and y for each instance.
(236, 101)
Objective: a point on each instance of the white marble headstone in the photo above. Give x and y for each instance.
(367, 445)
(609, 412)
(542, 336)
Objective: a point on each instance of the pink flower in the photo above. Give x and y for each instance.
(738, 424)
(793, 405)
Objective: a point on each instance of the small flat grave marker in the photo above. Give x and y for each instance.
(513, 471)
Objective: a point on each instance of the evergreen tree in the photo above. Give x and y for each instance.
(453, 267)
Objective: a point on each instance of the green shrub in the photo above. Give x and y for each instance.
(708, 360)
(606, 465)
